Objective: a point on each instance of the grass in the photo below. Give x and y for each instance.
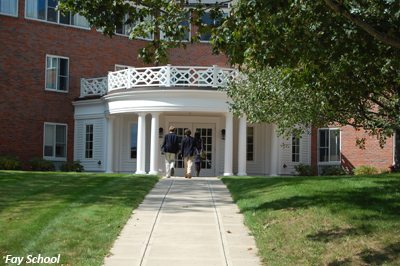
(346, 220)
(77, 215)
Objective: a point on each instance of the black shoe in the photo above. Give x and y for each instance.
(172, 172)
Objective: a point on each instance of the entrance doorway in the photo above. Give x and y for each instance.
(207, 134)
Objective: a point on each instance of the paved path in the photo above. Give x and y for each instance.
(185, 222)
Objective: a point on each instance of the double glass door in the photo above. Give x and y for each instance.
(207, 132)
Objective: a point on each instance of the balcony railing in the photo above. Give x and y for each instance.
(164, 76)
(94, 86)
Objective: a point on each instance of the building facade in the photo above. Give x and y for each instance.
(70, 93)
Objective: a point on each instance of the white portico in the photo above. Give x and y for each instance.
(120, 127)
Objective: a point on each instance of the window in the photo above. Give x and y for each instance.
(46, 10)
(89, 142)
(209, 22)
(184, 24)
(126, 29)
(295, 149)
(57, 73)
(329, 145)
(134, 129)
(250, 144)
(55, 141)
(9, 7)
(121, 67)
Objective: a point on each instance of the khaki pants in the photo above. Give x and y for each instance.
(169, 163)
(188, 161)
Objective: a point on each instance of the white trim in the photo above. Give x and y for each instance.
(45, 79)
(10, 15)
(54, 158)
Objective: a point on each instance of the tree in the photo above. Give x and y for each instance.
(307, 62)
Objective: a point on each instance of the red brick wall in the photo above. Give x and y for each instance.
(373, 154)
(24, 103)
(352, 156)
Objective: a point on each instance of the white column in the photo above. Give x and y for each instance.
(110, 146)
(274, 151)
(141, 144)
(242, 149)
(228, 144)
(154, 146)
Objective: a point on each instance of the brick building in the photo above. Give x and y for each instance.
(70, 93)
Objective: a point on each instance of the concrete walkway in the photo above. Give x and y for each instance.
(185, 222)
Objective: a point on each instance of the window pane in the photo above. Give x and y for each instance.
(134, 141)
(63, 67)
(52, 13)
(89, 142)
(34, 7)
(8, 7)
(60, 134)
(41, 9)
(323, 137)
(48, 140)
(80, 21)
(334, 145)
(250, 144)
(65, 18)
(61, 141)
(206, 19)
(51, 73)
(295, 148)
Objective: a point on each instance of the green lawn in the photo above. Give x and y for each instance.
(77, 215)
(346, 220)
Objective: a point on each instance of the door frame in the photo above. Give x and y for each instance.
(194, 120)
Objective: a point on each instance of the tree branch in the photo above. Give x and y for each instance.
(385, 38)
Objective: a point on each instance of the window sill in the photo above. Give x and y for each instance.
(55, 159)
(51, 90)
(59, 24)
(9, 15)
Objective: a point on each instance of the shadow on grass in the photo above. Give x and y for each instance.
(387, 255)
(27, 189)
(376, 197)
(379, 257)
(333, 234)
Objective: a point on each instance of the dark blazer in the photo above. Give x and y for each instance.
(171, 143)
(188, 146)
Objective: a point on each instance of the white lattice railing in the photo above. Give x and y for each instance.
(94, 86)
(165, 76)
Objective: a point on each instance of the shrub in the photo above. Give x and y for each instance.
(304, 170)
(9, 163)
(39, 164)
(333, 170)
(74, 166)
(366, 170)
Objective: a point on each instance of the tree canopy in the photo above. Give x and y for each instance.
(307, 62)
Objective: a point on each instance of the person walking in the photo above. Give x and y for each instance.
(170, 147)
(188, 150)
(198, 142)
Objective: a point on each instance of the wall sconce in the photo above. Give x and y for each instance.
(99, 163)
(284, 166)
(160, 132)
(223, 134)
